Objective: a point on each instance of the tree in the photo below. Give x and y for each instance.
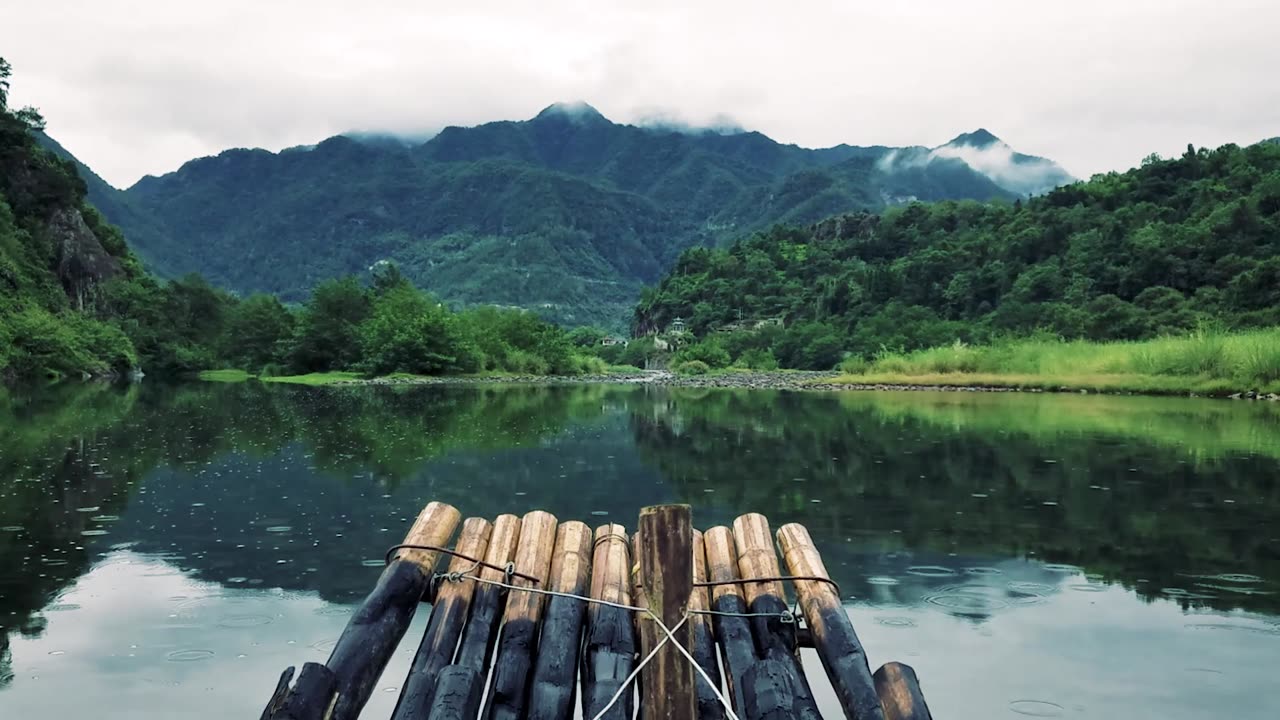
(328, 329)
(258, 332)
(408, 331)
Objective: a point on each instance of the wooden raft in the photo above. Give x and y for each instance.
(512, 634)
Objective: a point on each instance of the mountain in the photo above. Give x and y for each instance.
(1161, 249)
(144, 230)
(57, 256)
(1025, 175)
(568, 212)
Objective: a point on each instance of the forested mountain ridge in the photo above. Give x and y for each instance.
(1162, 248)
(57, 257)
(568, 213)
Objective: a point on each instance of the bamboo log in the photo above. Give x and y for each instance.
(899, 692)
(487, 605)
(610, 646)
(732, 633)
(460, 686)
(375, 629)
(756, 558)
(518, 642)
(775, 687)
(834, 638)
(666, 573)
(555, 672)
(704, 647)
(448, 616)
(646, 632)
(311, 698)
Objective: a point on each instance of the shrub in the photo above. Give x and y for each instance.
(692, 367)
(757, 359)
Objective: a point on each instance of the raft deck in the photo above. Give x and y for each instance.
(530, 616)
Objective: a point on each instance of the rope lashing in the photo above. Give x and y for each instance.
(775, 578)
(509, 570)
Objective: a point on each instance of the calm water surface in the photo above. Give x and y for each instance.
(166, 551)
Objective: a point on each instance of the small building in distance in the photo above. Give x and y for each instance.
(676, 326)
(612, 340)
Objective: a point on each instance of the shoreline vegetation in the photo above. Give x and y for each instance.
(1204, 364)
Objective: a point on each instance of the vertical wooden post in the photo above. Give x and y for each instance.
(666, 574)
(833, 636)
(448, 615)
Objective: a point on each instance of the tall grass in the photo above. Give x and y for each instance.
(1209, 361)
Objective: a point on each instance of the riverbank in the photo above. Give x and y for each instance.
(808, 381)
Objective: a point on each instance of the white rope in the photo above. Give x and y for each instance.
(625, 687)
(710, 683)
(787, 616)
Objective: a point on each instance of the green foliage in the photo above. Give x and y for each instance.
(692, 367)
(1203, 361)
(563, 218)
(709, 352)
(1158, 250)
(328, 327)
(258, 332)
(408, 331)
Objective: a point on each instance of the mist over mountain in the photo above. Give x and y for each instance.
(567, 213)
(989, 155)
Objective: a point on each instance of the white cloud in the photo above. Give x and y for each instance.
(139, 86)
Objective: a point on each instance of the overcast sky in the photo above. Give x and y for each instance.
(137, 87)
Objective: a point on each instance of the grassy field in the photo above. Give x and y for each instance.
(1209, 363)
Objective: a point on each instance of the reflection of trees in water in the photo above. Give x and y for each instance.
(1148, 517)
(228, 466)
(240, 477)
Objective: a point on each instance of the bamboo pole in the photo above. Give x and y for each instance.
(459, 686)
(518, 642)
(899, 692)
(375, 629)
(756, 558)
(646, 632)
(704, 647)
(666, 573)
(776, 687)
(610, 645)
(487, 605)
(311, 697)
(555, 672)
(842, 654)
(733, 633)
(448, 616)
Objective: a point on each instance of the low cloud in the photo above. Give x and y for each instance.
(1095, 84)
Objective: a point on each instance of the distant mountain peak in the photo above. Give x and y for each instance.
(979, 138)
(577, 111)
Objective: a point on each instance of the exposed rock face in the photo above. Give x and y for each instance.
(82, 263)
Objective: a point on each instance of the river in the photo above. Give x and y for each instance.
(166, 550)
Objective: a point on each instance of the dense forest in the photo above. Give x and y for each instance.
(1171, 246)
(567, 214)
(75, 300)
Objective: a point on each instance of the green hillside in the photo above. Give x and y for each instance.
(567, 213)
(1161, 249)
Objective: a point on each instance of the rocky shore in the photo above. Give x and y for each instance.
(787, 380)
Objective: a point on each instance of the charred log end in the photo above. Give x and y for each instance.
(899, 691)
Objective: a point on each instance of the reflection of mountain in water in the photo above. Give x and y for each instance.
(935, 505)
